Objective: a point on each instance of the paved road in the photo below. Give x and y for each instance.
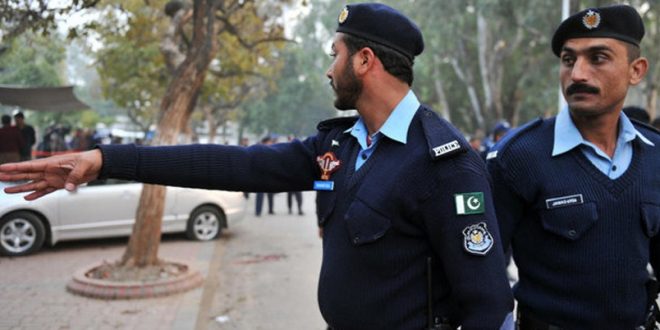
(261, 275)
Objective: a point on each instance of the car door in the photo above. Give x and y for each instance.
(102, 208)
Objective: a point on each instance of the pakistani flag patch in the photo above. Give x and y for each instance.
(469, 203)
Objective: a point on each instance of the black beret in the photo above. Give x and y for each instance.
(620, 22)
(382, 24)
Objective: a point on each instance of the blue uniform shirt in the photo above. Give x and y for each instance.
(568, 137)
(395, 128)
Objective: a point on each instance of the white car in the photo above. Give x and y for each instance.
(107, 208)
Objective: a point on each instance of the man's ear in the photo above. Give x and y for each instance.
(638, 69)
(364, 60)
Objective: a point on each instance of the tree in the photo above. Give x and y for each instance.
(196, 36)
(130, 64)
(302, 96)
(19, 16)
(34, 60)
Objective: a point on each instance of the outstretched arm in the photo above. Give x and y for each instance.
(46, 175)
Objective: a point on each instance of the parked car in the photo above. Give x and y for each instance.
(107, 208)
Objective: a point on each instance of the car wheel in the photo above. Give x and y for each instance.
(21, 233)
(205, 224)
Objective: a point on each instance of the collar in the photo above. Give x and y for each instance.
(567, 136)
(397, 124)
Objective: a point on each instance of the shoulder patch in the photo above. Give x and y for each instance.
(443, 139)
(477, 239)
(340, 122)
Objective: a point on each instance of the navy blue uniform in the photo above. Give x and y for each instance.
(380, 223)
(581, 240)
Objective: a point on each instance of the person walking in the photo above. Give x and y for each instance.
(28, 133)
(11, 141)
(290, 196)
(578, 194)
(410, 238)
(259, 199)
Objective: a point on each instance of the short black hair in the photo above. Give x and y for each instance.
(6, 119)
(19, 115)
(394, 62)
(634, 52)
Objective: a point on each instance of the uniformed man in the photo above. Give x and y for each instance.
(578, 195)
(410, 239)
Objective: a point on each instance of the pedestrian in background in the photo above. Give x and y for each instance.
(291, 195)
(578, 195)
(410, 238)
(637, 113)
(28, 133)
(259, 199)
(11, 141)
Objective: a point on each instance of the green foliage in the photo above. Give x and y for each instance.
(19, 16)
(130, 66)
(32, 60)
(302, 96)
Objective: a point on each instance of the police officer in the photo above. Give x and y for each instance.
(578, 195)
(410, 239)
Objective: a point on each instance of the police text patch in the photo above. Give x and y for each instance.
(553, 203)
(469, 203)
(446, 148)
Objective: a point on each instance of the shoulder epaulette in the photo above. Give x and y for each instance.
(443, 139)
(341, 122)
(512, 136)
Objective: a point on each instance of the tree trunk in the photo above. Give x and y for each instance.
(472, 92)
(212, 123)
(440, 90)
(176, 107)
(483, 50)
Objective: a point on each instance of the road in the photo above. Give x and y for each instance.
(261, 275)
(266, 272)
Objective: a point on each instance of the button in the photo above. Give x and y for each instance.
(614, 168)
(356, 240)
(364, 156)
(572, 233)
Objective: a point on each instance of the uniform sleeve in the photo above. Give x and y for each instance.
(279, 167)
(463, 231)
(509, 205)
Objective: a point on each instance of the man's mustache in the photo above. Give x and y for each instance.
(582, 88)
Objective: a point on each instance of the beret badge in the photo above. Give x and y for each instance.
(343, 15)
(591, 20)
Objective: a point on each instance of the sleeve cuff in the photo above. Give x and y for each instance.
(119, 161)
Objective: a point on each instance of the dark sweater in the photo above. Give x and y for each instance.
(581, 241)
(380, 223)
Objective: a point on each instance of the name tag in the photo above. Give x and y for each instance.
(324, 185)
(554, 203)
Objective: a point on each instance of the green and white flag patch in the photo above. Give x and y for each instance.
(469, 203)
